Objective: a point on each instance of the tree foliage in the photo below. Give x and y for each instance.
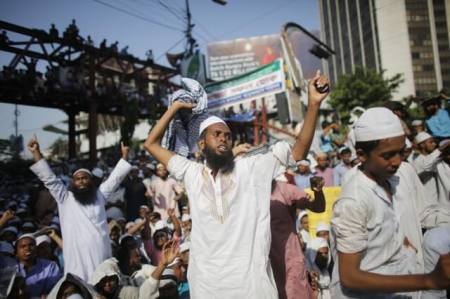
(365, 88)
(59, 148)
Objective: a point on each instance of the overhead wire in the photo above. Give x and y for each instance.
(137, 16)
(180, 13)
(157, 8)
(171, 10)
(172, 47)
(205, 30)
(259, 17)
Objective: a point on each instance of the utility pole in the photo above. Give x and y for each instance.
(16, 121)
(191, 42)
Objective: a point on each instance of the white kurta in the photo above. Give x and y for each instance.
(443, 182)
(365, 220)
(84, 227)
(230, 238)
(436, 242)
(425, 166)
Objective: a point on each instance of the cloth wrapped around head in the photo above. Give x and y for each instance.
(183, 131)
(311, 251)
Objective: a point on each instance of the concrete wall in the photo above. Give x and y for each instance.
(393, 39)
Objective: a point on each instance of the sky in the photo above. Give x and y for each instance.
(143, 25)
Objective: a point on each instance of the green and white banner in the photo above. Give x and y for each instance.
(265, 81)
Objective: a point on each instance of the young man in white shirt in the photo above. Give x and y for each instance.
(378, 219)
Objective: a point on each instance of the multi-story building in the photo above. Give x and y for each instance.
(410, 37)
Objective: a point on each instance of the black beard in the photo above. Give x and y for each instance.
(219, 162)
(322, 263)
(86, 196)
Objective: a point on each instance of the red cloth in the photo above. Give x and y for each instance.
(327, 175)
(286, 256)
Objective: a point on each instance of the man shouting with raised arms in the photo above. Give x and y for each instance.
(81, 209)
(230, 203)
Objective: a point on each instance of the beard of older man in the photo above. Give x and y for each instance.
(86, 195)
(224, 162)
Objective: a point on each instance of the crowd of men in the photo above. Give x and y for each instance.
(232, 223)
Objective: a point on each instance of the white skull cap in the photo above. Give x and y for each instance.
(208, 122)
(376, 124)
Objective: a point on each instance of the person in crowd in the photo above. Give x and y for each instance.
(107, 278)
(162, 235)
(400, 110)
(18, 289)
(303, 176)
(417, 126)
(286, 256)
(72, 287)
(165, 192)
(378, 219)
(42, 205)
(183, 286)
(341, 169)
(134, 194)
(302, 225)
(408, 155)
(40, 274)
(330, 137)
(154, 218)
(318, 260)
(9, 234)
(44, 248)
(82, 212)
(186, 226)
(437, 119)
(144, 212)
(443, 175)
(326, 144)
(97, 176)
(324, 170)
(7, 257)
(425, 163)
(230, 202)
(115, 231)
(148, 172)
(436, 242)
(323, 230)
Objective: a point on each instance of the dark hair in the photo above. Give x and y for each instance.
(345, 151)
(127, 244)
(366, 146)
(431, 101)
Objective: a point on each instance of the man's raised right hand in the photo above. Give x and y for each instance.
(33, 145)
(178, 105)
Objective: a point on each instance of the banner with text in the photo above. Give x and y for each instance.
(265, 81)
(227, 59)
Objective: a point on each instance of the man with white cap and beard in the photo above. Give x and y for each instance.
(318, 261)
(378, 219)
(82, 212)
(230, 203)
